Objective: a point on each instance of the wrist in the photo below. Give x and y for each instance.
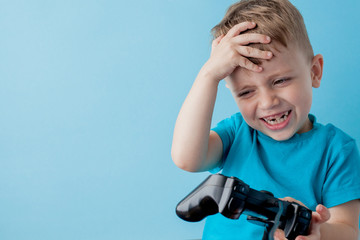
(208, 73)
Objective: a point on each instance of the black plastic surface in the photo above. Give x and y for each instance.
(232, 197)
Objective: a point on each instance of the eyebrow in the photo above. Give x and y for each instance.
(242, 88)
(280, 74)
(271, 77)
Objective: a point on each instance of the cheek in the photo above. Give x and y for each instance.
(247, 109)
(301, 97)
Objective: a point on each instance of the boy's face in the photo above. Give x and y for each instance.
(277, 100)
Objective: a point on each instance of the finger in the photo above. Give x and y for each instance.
(246, 63)
(323, 213)
(314, 233)
(279, 235)
(240, 27)
(254, 52)
(217, 40)
(303, 238)
(300, 238)
(245, 39)
(290, 199)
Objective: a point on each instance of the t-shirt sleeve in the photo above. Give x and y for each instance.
(342, 182)
(226, 129)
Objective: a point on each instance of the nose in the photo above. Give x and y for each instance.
(268, 99)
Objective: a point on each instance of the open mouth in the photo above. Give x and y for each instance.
(277, 119)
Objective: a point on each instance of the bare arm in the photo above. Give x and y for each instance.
(194, 147)
(343, 223)
(191, 134)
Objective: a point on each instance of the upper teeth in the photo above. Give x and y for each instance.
(277, 119)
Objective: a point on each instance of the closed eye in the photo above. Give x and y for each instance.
(245, 93)
(281, 81)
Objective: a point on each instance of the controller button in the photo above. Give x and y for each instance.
(240, 189)
(305, 214)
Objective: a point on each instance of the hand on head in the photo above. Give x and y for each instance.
(231, 51)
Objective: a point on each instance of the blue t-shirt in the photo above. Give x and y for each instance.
(319, 166)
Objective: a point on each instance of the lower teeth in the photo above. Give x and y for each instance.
(277, 121)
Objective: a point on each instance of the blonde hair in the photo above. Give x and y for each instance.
(278, 19)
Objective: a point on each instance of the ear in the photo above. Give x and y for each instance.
(317, 65)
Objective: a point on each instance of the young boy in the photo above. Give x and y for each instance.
(263, 52)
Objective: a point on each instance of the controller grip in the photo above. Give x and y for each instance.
(194, 212)
(204, 200)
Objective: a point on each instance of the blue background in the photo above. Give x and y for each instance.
(89, 94)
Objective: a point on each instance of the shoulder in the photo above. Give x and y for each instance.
(338, 146)
(333, 142)
(332, 135)
(336, 138)
(234, 119)
(231, 129)
(337, 133)
(233, 122)
(341, 165)
(233, 125)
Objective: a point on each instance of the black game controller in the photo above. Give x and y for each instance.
(232, 197)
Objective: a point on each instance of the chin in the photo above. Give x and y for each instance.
(281, 136)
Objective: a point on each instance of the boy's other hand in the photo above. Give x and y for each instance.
(319, 217)
(231, 51)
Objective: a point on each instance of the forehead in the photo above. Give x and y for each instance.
(285, 60)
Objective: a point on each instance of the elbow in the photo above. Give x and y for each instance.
(184, 162)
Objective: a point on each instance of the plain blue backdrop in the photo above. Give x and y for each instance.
(89, 94)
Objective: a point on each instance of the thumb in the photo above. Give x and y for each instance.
(323, 214)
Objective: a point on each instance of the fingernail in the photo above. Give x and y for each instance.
(268, 38)
(321, 208)
(269, 54)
